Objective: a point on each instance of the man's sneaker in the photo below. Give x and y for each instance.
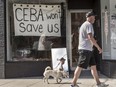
(74, 86)
(102, 85)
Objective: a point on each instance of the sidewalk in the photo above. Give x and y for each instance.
(38, 82)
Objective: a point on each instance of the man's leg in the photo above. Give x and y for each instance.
(95, 74)
(76, 75)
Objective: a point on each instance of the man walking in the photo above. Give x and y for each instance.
(86, 42)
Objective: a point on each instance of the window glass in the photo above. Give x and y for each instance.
(29, 45)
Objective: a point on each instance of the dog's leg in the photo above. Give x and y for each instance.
(44, 79)
(47, 80)
(57, 80)
(60, 80)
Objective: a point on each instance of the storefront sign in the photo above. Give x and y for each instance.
(35, 20)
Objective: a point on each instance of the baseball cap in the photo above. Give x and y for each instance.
(88, 14)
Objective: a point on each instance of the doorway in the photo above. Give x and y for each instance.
(76, 19)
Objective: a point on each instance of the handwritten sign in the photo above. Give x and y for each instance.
(34, 20)
(106, 25)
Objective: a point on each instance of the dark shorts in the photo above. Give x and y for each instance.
(86, 59)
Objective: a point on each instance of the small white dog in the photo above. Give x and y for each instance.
(56, 74)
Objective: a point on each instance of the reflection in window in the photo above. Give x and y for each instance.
(34, 48)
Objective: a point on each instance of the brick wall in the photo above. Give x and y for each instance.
(2, 44)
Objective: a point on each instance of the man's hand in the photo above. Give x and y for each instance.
(100, 50)
(94, 42)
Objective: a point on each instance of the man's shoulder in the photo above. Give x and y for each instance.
(87, 23)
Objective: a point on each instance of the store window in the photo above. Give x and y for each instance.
(33, 29)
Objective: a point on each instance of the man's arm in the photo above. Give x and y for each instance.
(93, 41)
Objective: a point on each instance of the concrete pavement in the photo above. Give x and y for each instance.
(38, 82)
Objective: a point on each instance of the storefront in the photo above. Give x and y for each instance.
(108, 26)
(31, 28)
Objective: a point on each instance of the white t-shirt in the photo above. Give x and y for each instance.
(84, 42)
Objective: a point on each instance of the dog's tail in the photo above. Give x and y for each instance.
(48, 68)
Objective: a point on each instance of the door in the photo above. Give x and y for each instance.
(76, 20)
